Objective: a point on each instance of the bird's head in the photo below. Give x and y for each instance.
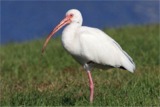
(72, 16)
(75, 16)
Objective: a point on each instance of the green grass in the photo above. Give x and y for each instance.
(55, 79)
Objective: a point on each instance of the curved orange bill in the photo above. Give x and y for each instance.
(65, 21)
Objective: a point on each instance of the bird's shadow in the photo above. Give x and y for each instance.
(68, 101)
(74, 100)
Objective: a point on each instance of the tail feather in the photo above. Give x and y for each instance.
(130, 59)
(128, 62)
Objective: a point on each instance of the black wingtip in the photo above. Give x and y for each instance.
(121, 67)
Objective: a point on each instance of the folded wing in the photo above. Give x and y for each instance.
(98, 47)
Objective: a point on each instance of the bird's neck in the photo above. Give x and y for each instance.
(69, 36)
(71, 28)
(69, 32)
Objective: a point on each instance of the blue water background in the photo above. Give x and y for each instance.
(28, 20)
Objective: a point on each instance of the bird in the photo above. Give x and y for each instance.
(91, 47)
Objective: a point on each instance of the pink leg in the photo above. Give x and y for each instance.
(91, 86)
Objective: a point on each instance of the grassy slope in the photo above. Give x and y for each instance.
(27, 78)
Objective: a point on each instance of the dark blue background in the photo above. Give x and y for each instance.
(27, 20)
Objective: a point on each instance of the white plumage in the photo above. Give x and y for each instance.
(91, 47)
(90, 44)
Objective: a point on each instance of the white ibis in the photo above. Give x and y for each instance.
(91, 47)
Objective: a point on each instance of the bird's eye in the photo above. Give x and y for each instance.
(71, 15)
